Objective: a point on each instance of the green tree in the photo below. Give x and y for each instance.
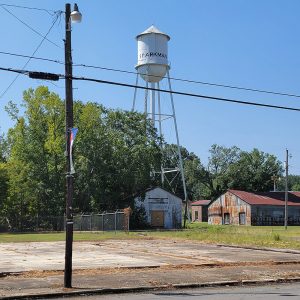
(18, 204)
(35, 162)
(293, 183)
(231, 168)
(253, 171)
(3, 178)
(220, 164)
(116, 152)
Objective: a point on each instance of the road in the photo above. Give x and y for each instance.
(268, 292)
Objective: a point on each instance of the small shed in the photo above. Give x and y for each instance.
(200, 210)
(257, 208)
(163, 208)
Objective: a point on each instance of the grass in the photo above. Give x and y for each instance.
(59, 236)
(261, 236)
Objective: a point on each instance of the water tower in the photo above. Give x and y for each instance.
(153, 66)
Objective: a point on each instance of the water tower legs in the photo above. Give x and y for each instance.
(160, 133)
(152, 103)
(159, 117)
(186, 214)
(135, 90)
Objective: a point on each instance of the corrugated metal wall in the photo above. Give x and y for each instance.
(229, 209)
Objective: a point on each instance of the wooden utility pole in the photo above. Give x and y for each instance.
(69, 176)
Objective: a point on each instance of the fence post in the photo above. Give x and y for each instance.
(37, 222)
(128, 223)
(115, 222)
(103, 222)
(91, 216)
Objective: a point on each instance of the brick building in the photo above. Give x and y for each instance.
(200, 211)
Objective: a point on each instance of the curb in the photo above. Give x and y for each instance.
(125, 290)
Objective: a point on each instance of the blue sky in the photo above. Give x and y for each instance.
(245, 43)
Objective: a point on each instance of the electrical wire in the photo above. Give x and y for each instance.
(194, 81)
(49, 11)
(31, 28)
(25, 65)
(173, 78)
(185, 94)
(32, 57)
(25, 72)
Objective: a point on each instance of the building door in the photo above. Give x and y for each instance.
(157, 218)
(242, 218)
(226, 218)
(196, 215)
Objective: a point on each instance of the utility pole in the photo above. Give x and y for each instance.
(75, 16)
(69, 177)
(286, 195)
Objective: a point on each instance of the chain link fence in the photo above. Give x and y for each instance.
(274, 221)
(106, 221)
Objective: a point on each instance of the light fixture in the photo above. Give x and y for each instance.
(76, 15)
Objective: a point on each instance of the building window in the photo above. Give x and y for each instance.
(196, 215)
(227, 218)
(242, 218)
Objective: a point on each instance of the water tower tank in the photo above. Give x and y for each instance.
(152, 54)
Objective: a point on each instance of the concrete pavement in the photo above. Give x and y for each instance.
(123, 265)
(20, 257)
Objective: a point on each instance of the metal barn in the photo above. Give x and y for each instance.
(163, 209)
(244, 208)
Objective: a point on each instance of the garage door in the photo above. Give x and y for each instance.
(157, 218)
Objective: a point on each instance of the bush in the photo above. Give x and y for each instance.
(138, 219)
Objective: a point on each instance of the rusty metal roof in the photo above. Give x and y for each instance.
(267, 198)
(201, 202)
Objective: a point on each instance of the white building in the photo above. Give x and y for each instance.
(163, 209)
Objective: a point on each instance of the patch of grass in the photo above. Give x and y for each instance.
(260, 236)
(276, 237)
(59, 236)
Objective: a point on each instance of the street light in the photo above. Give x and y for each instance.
(75, 17)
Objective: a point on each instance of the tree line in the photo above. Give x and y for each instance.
(116, 154)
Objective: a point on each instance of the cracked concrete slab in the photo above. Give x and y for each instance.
(20, 257)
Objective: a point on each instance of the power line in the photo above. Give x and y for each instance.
(173, 78)
(187, 94)
(18, 71)
(49, 11)
(27, 7)
(194, 81)
(37, 48)
(32, 57)
(24, 72)
(31, 28)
